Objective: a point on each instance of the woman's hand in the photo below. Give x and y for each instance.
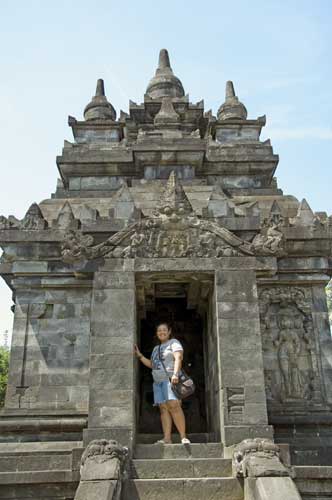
(175, 379)
(146, 362)
(137, 352)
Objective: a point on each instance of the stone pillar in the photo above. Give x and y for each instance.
(113, 333)
(243, 411)
(322, 326)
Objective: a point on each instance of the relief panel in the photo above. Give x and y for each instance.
(292, 374)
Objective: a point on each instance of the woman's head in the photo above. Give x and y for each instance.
(163, 331)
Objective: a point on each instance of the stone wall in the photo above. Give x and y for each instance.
(49, 367)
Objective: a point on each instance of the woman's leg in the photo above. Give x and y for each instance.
(166, 422)
(175, 409)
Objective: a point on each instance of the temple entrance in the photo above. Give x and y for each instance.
(185, 304)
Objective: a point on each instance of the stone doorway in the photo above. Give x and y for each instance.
(184, 302)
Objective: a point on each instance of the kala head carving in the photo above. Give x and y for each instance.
(256, 458)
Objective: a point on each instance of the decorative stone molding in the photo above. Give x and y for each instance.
(66, 219)
(32, 221)
(258, 458)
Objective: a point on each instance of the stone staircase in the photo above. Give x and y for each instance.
(48, 470)
(195, 471)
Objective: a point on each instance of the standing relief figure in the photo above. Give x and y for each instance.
(289, 348)
(291, 368)
(295, 348)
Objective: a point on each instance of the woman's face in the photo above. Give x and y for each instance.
(163, 333)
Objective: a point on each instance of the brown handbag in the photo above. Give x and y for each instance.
(185, 387)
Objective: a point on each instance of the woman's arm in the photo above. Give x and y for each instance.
(143, 359)
(178, 356)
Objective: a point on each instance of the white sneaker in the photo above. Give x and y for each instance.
(185, 441)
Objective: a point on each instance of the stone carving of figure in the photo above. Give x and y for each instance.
(206, 243)
(75, 245)
(136, 241)
(273, 240)
(164, 245)
(274, 235)
(289, 348)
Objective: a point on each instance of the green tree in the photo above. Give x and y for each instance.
(329, 300)
(4, 362)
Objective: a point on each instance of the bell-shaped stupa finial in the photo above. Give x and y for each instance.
(100, 89)
(164, 61)
(230, 92)
(232, 108)
(164, 83)
(99, 108)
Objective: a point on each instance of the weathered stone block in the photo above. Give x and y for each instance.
(96, 490)
(111, 345)
(111, 379)
(234, 286)
(111, 361)
(114, 280)
(113, 398)
(240, 310)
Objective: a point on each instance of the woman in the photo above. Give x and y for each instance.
(170, 351)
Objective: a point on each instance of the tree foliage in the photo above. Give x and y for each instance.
(4, 362)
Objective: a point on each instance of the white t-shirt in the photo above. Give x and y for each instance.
(166, 352)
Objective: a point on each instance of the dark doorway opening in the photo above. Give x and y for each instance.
(188, 326)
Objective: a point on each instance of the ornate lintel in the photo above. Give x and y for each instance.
(174, 231)
(165, 236)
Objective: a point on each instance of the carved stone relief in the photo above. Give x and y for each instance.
(32, 221)
(175, 230)
(289, 348)
(271, 240)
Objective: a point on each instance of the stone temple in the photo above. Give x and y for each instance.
(168, 212)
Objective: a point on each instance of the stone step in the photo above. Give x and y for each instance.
(201, 437)
(183, 489)
(180, 468)
(314, 481)
(39, 456)
(193, 450)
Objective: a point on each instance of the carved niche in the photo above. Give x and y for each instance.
(289, 346)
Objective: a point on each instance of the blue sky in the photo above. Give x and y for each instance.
(278, 53)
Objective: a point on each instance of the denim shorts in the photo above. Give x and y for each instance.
(162, 392)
